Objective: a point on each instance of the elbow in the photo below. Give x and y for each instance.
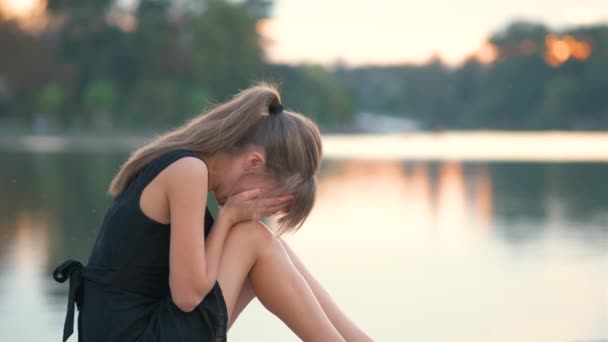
(186, 305)
(187, 301)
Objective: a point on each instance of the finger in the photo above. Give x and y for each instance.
(251, 194)
(281, 204)
(287, 197)
(271, 201)
(274, 210)
(281, 197)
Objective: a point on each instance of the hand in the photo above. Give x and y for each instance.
(253, 205)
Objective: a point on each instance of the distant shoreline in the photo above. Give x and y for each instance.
(549, 146)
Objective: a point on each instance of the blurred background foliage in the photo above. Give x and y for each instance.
(100, 66)
(525, 77)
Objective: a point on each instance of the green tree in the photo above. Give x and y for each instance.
(51, 98)
(559, 103)
(314, 91)
(99, 100)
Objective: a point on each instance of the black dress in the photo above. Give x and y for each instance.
(122, 294)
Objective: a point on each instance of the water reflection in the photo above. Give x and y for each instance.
(23, 280)
(449, 244)
(435, 199)
(452, 201)
(428, 247)
(483, 198)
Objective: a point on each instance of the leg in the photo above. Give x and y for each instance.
(245, 296)
(252, 249)
(345, 326)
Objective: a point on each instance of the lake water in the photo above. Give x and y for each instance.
(411, 250)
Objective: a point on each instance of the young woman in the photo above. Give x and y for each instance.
(163, 269)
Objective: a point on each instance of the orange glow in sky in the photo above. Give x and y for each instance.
(487, 53)
(21, 8)
(559, 50)
(30, 14)
(391, 31)
(396, 32)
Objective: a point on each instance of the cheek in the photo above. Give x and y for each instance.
(235, 188)
(250, 182)
(239, 184)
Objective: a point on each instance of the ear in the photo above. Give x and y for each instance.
(255, 161)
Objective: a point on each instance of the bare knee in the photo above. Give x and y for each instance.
(252, 234)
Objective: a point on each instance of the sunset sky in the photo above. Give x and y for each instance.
(394, 31)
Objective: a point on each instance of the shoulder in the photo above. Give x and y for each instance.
(187, 171)
(187, 165)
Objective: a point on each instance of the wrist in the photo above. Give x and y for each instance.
(225, 216)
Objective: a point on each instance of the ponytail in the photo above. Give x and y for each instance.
(255, 116)
(217, 130)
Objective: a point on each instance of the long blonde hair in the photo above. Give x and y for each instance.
(291, 141)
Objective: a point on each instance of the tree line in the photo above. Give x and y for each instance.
(526, 77)
(99, 66)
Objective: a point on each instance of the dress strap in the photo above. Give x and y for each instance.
(71, 269)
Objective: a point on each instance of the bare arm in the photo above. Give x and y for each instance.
(193, 265)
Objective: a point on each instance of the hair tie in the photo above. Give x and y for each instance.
(275, 108)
